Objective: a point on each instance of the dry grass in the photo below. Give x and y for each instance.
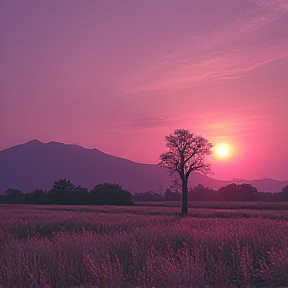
(65, 246)
(220, 205)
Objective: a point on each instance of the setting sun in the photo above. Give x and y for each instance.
(222, 151)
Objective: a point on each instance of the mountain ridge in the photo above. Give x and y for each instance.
(36, 165)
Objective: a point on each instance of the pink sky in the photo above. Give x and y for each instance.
(120, 75)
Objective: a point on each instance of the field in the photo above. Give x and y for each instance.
(144, 246)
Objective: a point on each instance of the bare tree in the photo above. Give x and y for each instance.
(185, 154)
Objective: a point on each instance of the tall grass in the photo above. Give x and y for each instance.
(108, 247)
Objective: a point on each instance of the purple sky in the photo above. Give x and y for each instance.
(120, 75)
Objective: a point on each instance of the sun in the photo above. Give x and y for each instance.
(222, 151)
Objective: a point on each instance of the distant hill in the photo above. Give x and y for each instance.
(264, 185)
(36, 165)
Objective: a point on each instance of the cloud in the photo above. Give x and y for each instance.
(149, 122)
(275, 6)
(225, 55)
(218, 127)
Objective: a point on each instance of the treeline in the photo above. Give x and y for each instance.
(231, 192)
(66, 193)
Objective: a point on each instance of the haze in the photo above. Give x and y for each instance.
(120, 75)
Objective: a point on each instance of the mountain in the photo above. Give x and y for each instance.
(264, 185)
(36, 165)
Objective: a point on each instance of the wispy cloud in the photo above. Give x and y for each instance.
(274, 6)
(217, 125)
(149, 122)
(228, 54)
(237, 127)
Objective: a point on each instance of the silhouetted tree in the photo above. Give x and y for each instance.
(62, 191)
(284, 194)
(229, 192)
(247, 192)
(110, 194)
(14, 196)
(201, 193)
(285, 190)
(185, 154)
(3, 199)
(37, 196)
(198, 193)
(234, 192)
(147, 196)
(171, 196)
(63, 185)
(80, 196)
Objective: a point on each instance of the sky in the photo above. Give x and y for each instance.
(121, 75)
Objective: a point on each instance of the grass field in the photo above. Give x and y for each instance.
(144, 246)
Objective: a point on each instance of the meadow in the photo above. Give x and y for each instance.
(216, 245)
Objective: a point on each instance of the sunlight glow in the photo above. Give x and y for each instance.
(222, 151)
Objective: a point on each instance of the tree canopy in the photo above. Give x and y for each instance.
(186, 153)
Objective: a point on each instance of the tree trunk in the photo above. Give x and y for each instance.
(184, 196)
